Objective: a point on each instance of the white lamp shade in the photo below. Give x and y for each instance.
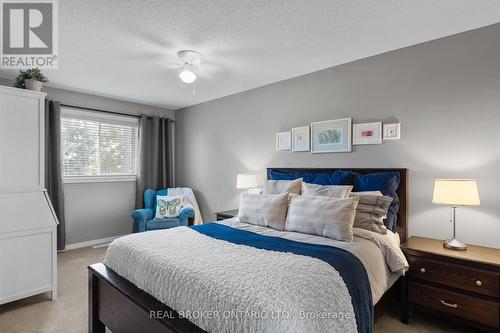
(246, 181)
(457, 192)
(187, 76)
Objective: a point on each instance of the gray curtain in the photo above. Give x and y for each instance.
(53, 172)
(156, 157)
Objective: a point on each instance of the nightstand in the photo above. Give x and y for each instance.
(461, 285)
(227, 214)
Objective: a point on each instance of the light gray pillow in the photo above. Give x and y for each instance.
(282, 186)
(371, 211)
(367, 193)
(337, 191)
(324, 216)
(264, 210)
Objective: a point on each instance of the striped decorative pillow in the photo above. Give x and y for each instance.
(337, 191)
(371, 211)
(268, 210)
(323, 216)
(282, 186)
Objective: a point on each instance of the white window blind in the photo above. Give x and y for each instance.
(97, 144)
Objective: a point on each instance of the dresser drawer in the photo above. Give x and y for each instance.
(461, 277)
(462, 306)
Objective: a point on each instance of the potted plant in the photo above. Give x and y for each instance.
(31, 79)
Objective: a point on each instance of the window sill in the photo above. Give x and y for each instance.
(97, 179)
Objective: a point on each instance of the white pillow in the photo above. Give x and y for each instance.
(168, 206)
(282, 186)
(337, 191)
(324, 216)
(268, 210)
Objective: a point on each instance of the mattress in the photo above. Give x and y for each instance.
(246, 270)
(377, 252)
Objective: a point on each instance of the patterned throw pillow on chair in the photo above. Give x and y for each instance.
(168, 206)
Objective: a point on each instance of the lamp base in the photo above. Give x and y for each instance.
(454, 244)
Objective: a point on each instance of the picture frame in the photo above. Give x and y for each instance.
(301, 139)
(392, 131)
(367, 133)
(331, 136)
(283, 140)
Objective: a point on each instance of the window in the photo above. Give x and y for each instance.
(98, 146)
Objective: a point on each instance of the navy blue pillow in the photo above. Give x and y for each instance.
(337, 177)
(340, 177)
(321, 178)
(385, 182)
(281, 175)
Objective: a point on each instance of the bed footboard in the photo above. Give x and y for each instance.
(119, 305)
(116, 303)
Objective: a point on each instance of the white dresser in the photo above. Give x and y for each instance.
(28, 262)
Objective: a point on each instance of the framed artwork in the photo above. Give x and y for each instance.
(301, 138)
(392, 131)
(367, 133)
(331, 136)
(283, 140)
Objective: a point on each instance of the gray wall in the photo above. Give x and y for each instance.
(446, 93)
(98, 210)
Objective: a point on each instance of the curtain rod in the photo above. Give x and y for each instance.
(105, 111)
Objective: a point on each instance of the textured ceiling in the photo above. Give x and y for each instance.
(127, 49)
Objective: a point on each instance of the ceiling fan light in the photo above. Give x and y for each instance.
(187, 76)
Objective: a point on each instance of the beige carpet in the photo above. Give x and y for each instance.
(68, 313)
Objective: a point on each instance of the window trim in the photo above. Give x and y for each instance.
(76, 113)
(99, 179)
(72, 112)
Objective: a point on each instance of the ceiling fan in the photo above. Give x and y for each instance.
(189, 65)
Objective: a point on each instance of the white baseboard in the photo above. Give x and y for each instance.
(94, 242)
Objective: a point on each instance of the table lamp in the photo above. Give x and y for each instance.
(248, 182)
(455, 192)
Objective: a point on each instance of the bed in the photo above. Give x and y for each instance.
(133, 295)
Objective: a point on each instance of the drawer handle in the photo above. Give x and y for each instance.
(422, 270)
(479, 283)
(454, 305)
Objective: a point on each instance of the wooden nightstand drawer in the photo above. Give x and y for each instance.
(456, 276)
(459, 305)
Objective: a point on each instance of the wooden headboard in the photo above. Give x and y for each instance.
(402, 191)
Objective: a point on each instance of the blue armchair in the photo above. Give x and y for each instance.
(145, 218)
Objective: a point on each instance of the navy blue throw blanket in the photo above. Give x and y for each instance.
(349, 266)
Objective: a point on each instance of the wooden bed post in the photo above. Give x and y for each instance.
(405, 308)
(95, 325)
